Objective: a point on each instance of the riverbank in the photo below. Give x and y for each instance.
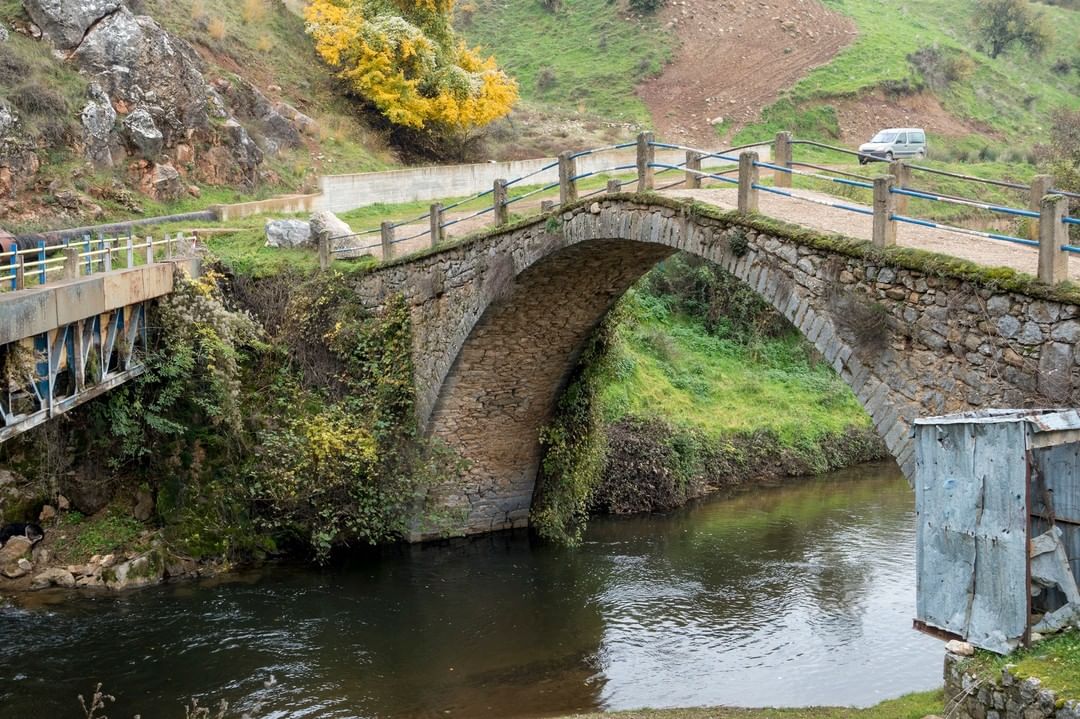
(912, 706)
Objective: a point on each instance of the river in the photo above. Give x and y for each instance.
(795, 595)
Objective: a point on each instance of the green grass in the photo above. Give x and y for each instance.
(1012, 95)
(912, 706)
(673, 369)
(1054, 661)
(108, 531)
(593, 53)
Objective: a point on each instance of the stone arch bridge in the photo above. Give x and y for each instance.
(499, 322)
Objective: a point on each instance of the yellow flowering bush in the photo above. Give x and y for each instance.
(402, 56)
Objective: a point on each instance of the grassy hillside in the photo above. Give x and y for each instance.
(1009, 97)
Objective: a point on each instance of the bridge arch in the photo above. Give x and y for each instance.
(499, 323)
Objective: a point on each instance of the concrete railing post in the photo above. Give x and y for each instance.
(502, 212)
(436, 224)
(567, 183)
(614, 187)
(646, 156)
(387, 234)
(108, 255)
(884, 234)
(748, 177)
(900, 170)
(693, 169)
(20, 272)
(1040, 188)
(130, 252)
(324, 251)
(149, 250)
(71, 263)
(1053, 236)
(782, 151)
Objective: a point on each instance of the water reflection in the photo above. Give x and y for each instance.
(793, 596)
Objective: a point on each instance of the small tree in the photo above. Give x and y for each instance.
(404, 59)
(1000, 23)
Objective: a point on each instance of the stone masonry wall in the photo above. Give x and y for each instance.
(969, 696)
(499, 322)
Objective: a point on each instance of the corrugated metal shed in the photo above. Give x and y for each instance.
(986, 484)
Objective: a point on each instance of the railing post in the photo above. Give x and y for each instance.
(748, 178)
(130, 252)
(71, 263)
(782, 150)
(13, 268)
(900, 170)
(89, 260)
(502, 212)
(150, 250)
(546, 206)
(324, 251)
(567, 172)
(20, 271)
(436, 224)
(387, 235)
(614, 186)
(1053, 236)
(884, 233)
(693, 169)
(1040, 188)
(42, 270)
(107, 246)
(646, 156)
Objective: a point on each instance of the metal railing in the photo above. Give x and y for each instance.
(1047, 214)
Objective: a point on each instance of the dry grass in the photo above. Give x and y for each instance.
(254, 11)
(216, 29)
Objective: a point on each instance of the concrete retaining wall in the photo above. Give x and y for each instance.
(969, 696)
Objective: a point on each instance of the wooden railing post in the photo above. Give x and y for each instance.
(693, 169)
(900, 170)
(324, 251)
(748, 178)
(71, 263)
(567, 183)
(436, 224)
(646, 156)
(1053, 236)
(884, 233)
(1040, 188)
(502, 212)
(782, 150)
(614, 186)
(387, 234)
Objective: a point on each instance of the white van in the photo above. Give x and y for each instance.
(893, 144)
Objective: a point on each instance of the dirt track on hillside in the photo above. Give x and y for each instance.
(736, 57)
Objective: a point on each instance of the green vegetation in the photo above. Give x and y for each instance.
(106, 532)
(912, 706)
(1054, 661)
(1011, 96)
(583, 56)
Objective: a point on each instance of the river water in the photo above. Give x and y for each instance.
(796, 595)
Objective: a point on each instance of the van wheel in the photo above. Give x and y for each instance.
(862, 160)
(888, 157)
(922, 154)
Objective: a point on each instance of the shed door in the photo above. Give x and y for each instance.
(971, 503)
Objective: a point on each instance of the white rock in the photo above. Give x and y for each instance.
(53, 577)
(960, 648)
(288, 233)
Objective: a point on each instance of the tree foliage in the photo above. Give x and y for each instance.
(1000, 23)
(402, 56)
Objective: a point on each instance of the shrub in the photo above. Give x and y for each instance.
(940, 68)
(265, 43)
(646, 7)
(987, 154)
(253, 11)
(545, 79)
(34, 99)
(13, 69)
(1001, 23)
(1062, 66)
(216, 29)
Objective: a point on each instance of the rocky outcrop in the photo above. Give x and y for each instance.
(275, 130)
(141, 132)
(66, 22)
(98, 121)
(288, 233)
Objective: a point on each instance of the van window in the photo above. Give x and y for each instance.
(884, 137)
(901, 139)
(918, 138)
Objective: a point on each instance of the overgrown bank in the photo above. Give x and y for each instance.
(693, 384)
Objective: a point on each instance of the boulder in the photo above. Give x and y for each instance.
(252, 106)
(144, 505)
(15, 549)
(65, 22)
(325, 224)
(54, 577)
(98, 120)
(18, 569)
(48, 513)
(160, 181)
(288, 233)
(142, 133)
(3, 33)
(138, 572)
(8, 119)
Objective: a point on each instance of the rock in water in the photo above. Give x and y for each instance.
(288, 233)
